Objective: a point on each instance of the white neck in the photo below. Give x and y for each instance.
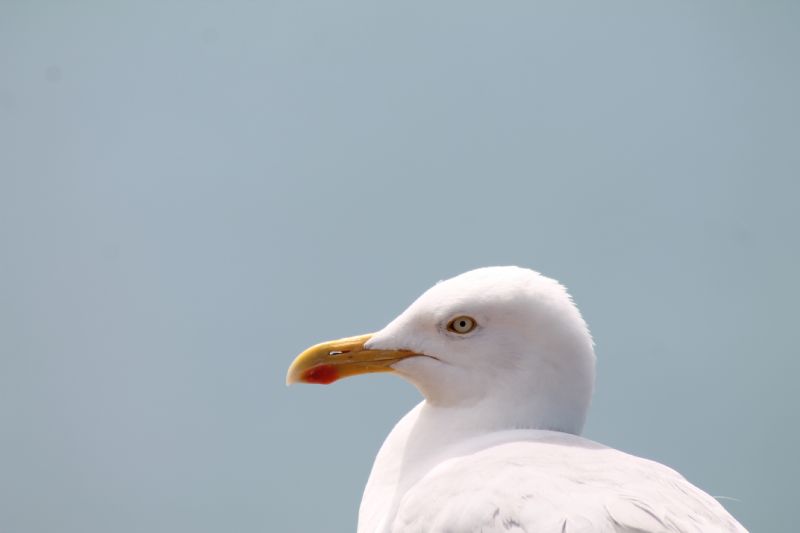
(426, 436)
(539, 394)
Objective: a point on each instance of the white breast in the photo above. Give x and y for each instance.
(528, 480)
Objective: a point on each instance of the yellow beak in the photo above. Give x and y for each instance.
(329, 361)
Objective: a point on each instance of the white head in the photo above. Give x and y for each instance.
(504, 339)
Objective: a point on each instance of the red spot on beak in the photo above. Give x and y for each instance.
(322, 374)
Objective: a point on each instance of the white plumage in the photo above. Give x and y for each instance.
(494, 447)
(531, 480)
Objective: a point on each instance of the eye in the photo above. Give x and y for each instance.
(461, 325)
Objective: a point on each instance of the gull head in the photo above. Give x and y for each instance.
(503, 340)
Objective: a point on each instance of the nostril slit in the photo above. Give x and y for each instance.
(337, 352)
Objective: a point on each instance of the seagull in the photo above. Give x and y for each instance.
(506, 366)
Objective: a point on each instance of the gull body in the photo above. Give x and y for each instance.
(506, 365)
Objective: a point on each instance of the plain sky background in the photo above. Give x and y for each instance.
(193, 192)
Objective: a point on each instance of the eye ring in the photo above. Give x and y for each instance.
(462, 325)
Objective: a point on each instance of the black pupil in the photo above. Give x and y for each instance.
(463, 323)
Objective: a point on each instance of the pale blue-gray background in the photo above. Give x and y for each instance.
(192, 192)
